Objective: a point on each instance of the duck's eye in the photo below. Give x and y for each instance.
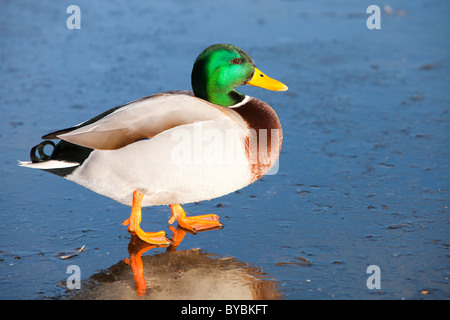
(236, 61)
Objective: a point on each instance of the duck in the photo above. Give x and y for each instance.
(174, 147)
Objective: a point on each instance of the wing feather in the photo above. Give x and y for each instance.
(142, 119)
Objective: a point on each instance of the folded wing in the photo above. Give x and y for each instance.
(139, 120)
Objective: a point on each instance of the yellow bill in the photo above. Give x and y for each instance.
(259, 79)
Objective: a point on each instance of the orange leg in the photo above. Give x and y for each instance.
(196, 223)
(134, 222)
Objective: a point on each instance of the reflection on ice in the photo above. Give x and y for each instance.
(181, 275)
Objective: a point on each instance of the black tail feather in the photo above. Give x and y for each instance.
(62, 151)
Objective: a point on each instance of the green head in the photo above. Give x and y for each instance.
(220, 68)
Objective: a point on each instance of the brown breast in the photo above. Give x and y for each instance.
(263, 143)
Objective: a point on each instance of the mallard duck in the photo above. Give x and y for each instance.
(174, 147)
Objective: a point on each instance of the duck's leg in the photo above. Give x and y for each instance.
(134, 222)
(196, 223)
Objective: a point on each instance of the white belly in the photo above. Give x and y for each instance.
(185, 164)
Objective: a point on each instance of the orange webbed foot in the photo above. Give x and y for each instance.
(158, 238)
(195, 223)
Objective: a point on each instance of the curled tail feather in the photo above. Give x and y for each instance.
(42, 155)
(63, 160)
